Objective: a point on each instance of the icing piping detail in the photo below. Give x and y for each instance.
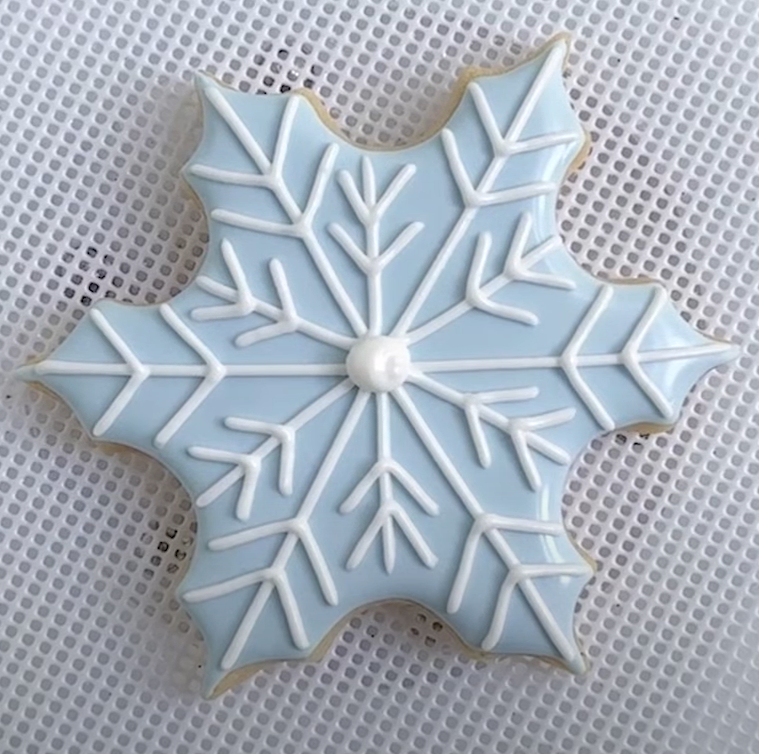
(248, 466)
(522, 430)
(504, 145)
(274, 578)
(213, 373)
(242, 303)
(518, 267)
(563, 644)
(271, 177)
(138, 373)
(389, 512)
(484, 195)
(369, 210)
(571, 360)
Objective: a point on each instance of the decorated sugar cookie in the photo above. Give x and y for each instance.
(376, 385)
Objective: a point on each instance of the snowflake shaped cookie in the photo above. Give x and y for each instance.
(376, 385)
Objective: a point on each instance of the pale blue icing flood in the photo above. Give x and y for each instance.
(431, 197)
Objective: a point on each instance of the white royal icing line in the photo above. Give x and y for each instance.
(522, 430)
(474, 293)
(106, 369)
(234, 177)
(519, 262)
(481, 525)
(389, 511)
(564, 645)
(544, 142)
(287, 321)
(503, 145)
(247, 465)
(516, 268)
(399, 243)
(482, 194)
(300, 220)
(273, 582)
(138, 373)
(631, 360)
(521, 576)
(243, 302)
(233, 120)
(554, 362)
(389, 515)
(571, 361)
(286, 437)
(472, 405)
(369, 210)
(275, 577)
(228, 586)
(241, 298)
(214, 373)
(296, 526)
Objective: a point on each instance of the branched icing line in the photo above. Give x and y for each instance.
(522, 430)
(211, 372)
(518, 267)
(242, 303)
(271, 177)
(572, 360)
(247, 466)
(297, 530)
(389, 512)
(487, 525)
(483, 194)
(492, 527)
(369, 209)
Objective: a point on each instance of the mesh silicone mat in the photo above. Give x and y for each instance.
(96, 118)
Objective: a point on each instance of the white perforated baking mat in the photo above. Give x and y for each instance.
(96, 119)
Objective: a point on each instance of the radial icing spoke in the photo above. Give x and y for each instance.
(492, 527)
(272, 177)
(475, 197)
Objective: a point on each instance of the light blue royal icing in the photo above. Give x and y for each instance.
(376, 386)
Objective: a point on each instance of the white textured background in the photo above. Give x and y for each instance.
(96, 119)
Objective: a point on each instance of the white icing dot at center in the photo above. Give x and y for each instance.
(379, 364)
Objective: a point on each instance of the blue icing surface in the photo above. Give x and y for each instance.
(376, 385)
